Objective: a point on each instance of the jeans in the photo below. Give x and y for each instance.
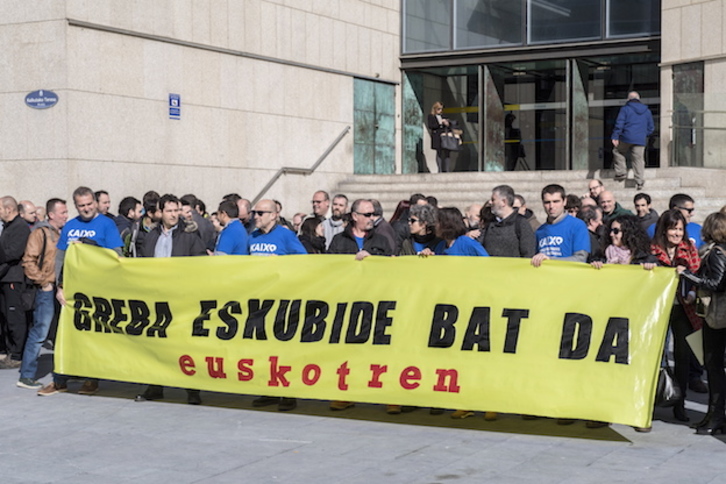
(42, 317)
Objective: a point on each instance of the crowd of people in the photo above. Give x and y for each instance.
(591, 229)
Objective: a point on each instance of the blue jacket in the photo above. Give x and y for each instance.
(634, 123)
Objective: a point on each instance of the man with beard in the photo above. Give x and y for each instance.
(334, 225)
(509, 235)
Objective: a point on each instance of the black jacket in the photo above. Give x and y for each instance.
(712, 273)
(13, 240)
(182, 243)
(344, 243)
(510, 237)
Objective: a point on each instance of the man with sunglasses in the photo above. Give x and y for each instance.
(269, 238)
(359, 237)
(686, 205)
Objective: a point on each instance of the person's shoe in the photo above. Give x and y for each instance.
(265, 401)
(29, 383)
(715, 426)
(287, 404)
(643, 430)
(619, 178)
(194, 397)
(436, 411)
(51, 389)
(490, 416)
(639, 186)
(462, 414)
(393, 409)
(697, 385)
(89, 387)
(679, 412)
(152, 392)
(340, 405)
(596, 424)
(10, 364)
(526, 416)
(565, 421)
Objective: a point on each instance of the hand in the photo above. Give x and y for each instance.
(426, 252)
(648, 266)
(59, 296)
(445, 122)
(474, 234)
(596, 264)
(680, 269)
(362, 255)
(538, 258)
(616, 142)
(690, 298)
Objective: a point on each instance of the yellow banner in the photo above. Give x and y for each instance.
(495, 334)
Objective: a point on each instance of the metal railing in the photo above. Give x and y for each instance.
(293, 170)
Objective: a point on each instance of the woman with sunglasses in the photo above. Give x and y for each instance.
(672, 248)
(629, 244)
(422, 231)
(438, 124)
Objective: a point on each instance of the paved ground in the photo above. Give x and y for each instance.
(109, 438)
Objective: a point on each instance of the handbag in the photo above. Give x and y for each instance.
(450, 140)
(667, 393)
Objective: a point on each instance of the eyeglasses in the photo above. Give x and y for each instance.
(689, 210)
(260, 213)
(369, 214)
(615, 230)
(412, 220)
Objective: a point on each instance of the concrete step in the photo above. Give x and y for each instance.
(462, 189)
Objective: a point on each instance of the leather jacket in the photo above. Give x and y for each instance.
(712, 273)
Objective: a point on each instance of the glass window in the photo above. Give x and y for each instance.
(427, 25)
(487, 23)
(560, 20)
(628, 18)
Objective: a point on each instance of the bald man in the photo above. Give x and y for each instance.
(610, 208)
(269, 238)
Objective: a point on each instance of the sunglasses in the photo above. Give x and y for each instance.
(615, 230)
(412, 220)
(689, 210)
(260, 213)
(369, 214)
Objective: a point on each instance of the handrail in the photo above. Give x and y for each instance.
(293, 170)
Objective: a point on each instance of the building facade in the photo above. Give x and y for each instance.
(258, 84)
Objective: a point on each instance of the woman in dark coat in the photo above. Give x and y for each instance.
(712, 277)
(437, 124)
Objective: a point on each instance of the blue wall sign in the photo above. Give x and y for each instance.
(42, 99)
(174, 106)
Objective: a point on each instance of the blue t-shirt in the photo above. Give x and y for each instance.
(278, 241)
(464, 245)
(100, 229)
(564, 238)
(233, 239)
(359, 241)
(694, 233)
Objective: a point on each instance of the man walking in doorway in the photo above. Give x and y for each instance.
(632, 128)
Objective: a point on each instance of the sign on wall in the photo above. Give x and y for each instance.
(41, 99)
(174, 106)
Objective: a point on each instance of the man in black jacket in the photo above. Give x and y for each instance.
(169, 239)
(14, 321)
(359, 237)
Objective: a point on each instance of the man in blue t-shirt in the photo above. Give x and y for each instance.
(269, 238)
(92, 226)
(686, 205)
(233, 237)
(562, 236)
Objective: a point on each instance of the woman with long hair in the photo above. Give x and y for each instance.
(712, 277)
(437, 124)
(672, 248)
(311, 236)
(451, 229)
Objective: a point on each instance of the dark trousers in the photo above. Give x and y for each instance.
(14, 321)
(681, 327)
(714, 346)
